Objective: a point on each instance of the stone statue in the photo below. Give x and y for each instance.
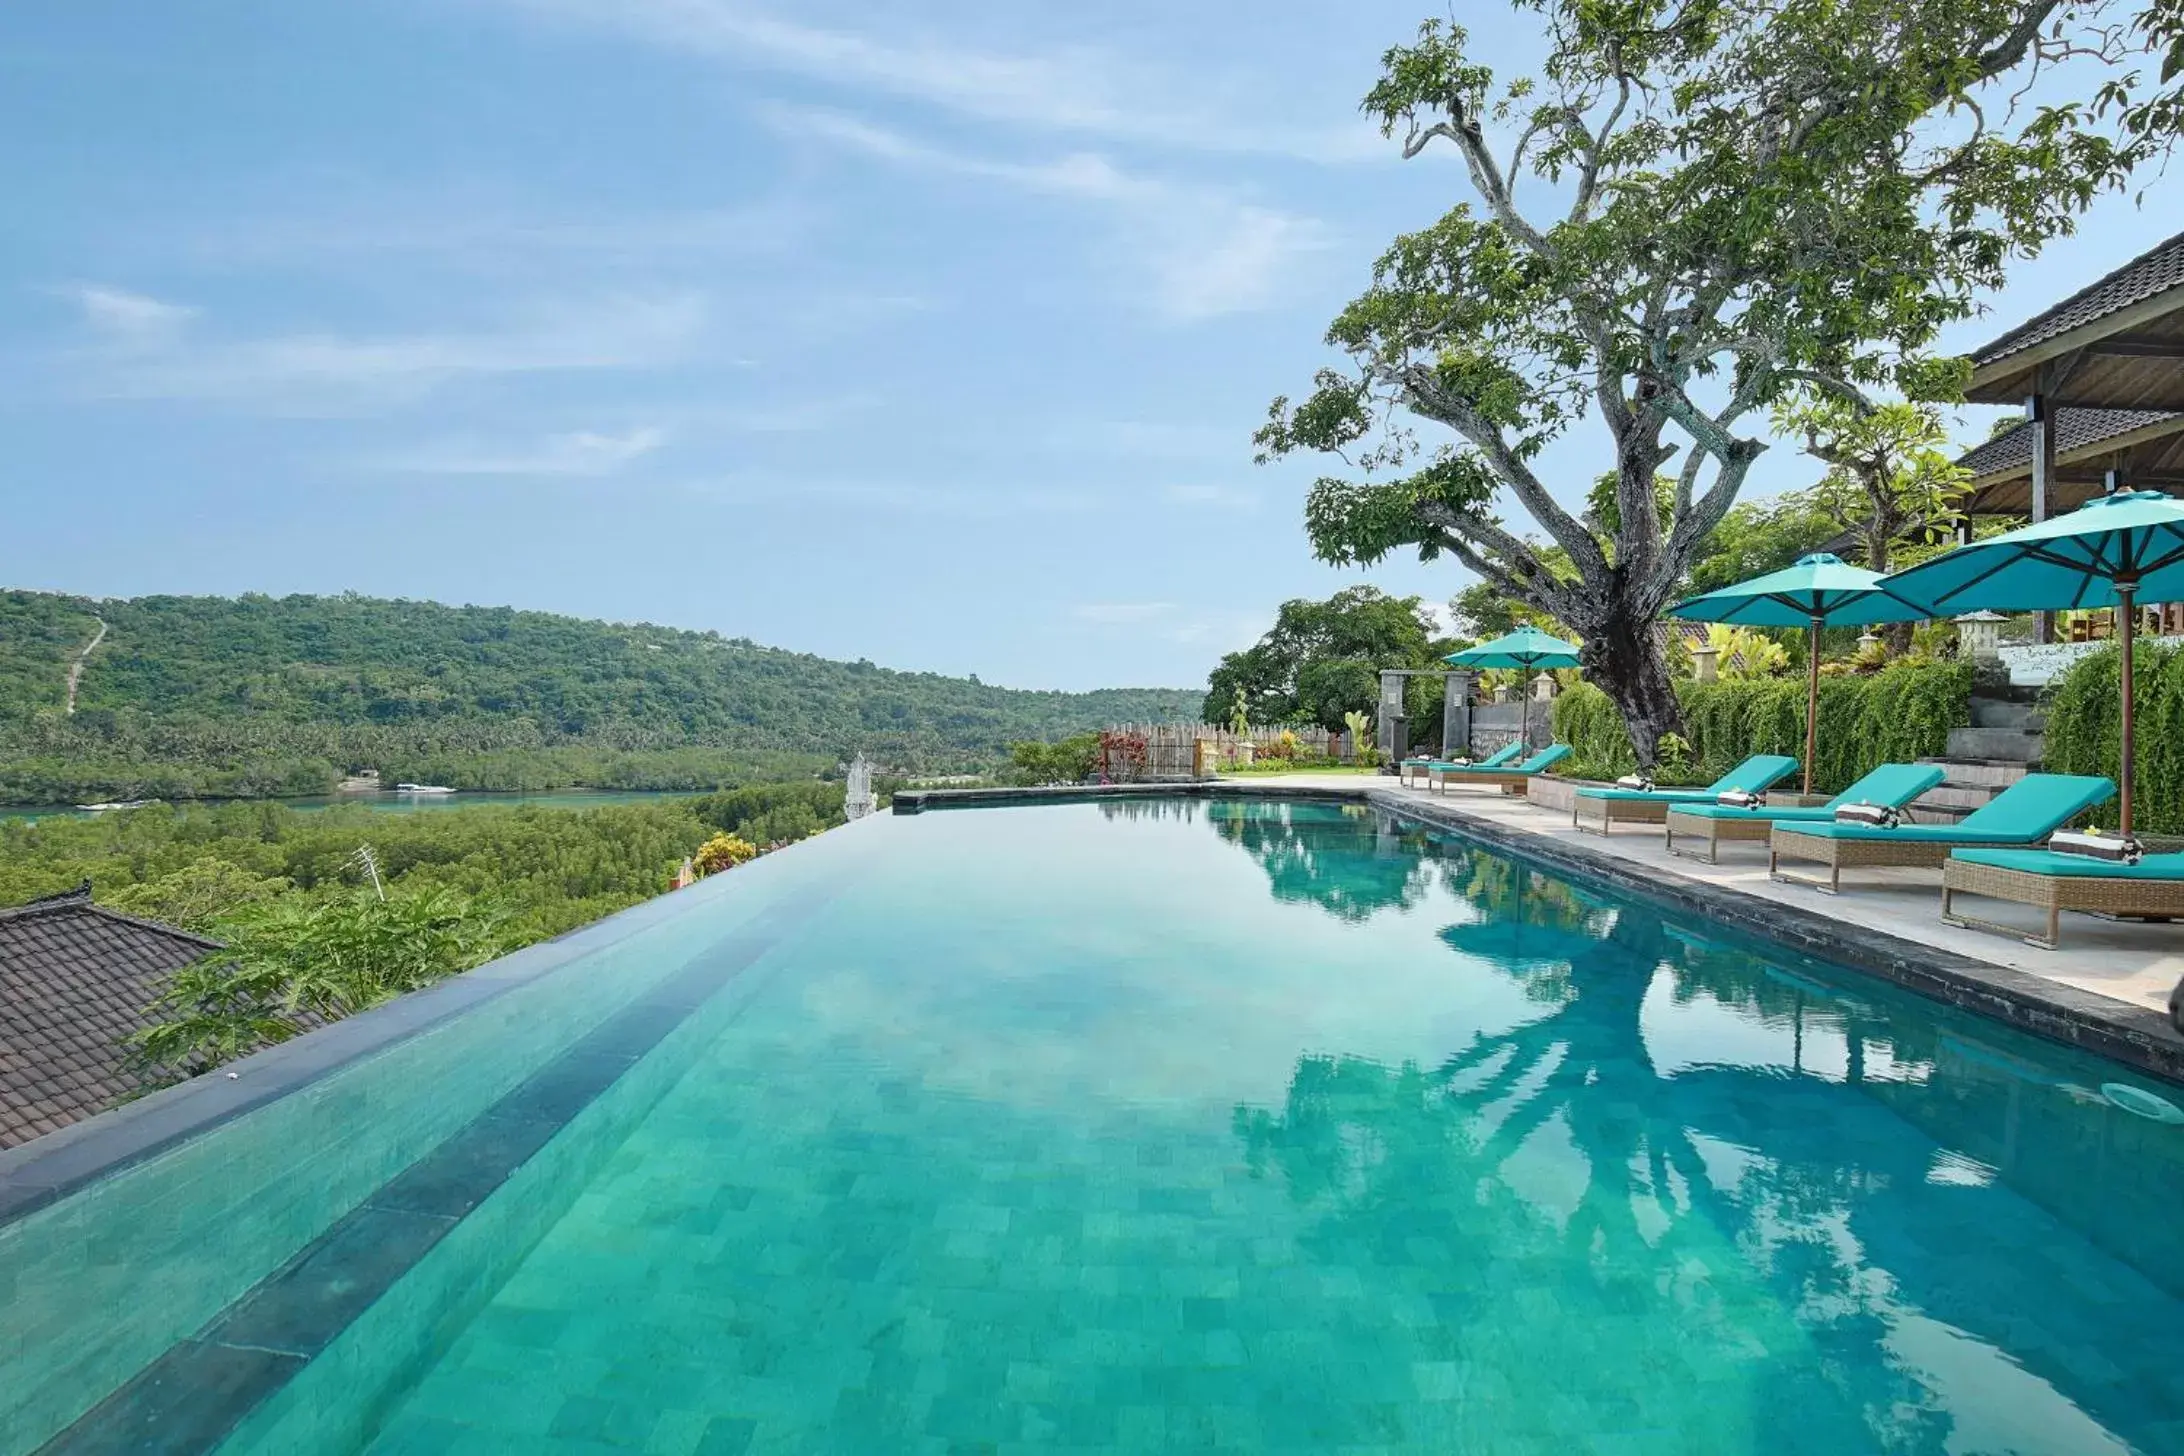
(858, 802)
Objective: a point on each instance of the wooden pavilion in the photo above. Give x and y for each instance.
(2100, 376)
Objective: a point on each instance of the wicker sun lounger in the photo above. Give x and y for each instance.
(2019, 817)
(1601, 809)
(1422, 767)
(1510, 778)
(2152, 889)
(1894, 784)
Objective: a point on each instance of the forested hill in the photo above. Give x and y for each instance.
(324, 683)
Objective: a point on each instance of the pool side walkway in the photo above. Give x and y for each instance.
(2126, 960)
(2107, 989)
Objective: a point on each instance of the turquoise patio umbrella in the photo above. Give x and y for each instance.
(1820, 590)
(1524, 649)
(2103, 554)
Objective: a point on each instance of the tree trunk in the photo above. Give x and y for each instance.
(1878, 545)
(1623, 658)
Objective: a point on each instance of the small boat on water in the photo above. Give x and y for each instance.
(421, 789)
(116, 804)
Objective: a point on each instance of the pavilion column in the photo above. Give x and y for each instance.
(1456, 714)
(2041, 417)
(1394, 738)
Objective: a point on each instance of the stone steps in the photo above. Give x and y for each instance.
(1993, 774)
(1969, 784)
(2001, 713)
(2009, 745)
(2007, 726)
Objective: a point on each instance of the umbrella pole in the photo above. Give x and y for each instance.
(1812, 702)
(2126, 624)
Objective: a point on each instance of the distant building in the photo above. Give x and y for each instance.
(75, 980)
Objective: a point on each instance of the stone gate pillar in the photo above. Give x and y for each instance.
(1392, 723)
(1456, 714)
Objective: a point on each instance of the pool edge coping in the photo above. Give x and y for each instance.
(2129, 1035)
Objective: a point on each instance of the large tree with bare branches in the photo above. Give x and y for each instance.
(1695, 210)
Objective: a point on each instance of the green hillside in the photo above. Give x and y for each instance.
(257, 695)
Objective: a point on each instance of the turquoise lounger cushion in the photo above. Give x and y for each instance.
(2075, 866)
(1499, 758)
(1946, 833)
(1892, 783)
(2027, 811)
(1539, 762)
(1773, 814)
(1653, 796)
(1759, 772)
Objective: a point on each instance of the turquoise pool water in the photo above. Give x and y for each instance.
(1217, 1125)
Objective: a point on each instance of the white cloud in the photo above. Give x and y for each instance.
(342, 373)
(1219, 497)
(577, 453)
(1235, 266)
(1219, 628)
(781, 417)
(459, 229)
(1197, 252)
(1071, 89)
(1119, 613)
(1078, 175)
(887, 497)
(125, 317)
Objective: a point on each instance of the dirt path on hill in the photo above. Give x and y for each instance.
(75, 669)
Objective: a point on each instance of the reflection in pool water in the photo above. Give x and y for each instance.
(1143, 1126)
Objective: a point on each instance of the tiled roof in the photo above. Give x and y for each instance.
(2141, 278)
(2076, 427)
(75, 980)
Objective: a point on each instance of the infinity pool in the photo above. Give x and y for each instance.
(1167, 1125)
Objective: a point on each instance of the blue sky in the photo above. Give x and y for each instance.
(933, 334)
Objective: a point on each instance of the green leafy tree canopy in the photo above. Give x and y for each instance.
(1323, 659)
(1692, 211)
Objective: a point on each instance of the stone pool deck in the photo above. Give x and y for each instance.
(2107, 989)
(2128, 961)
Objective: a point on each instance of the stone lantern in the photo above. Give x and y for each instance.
(1706, 663)
(1979, 635)
(1543, 687)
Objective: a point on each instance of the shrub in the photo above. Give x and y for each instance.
(723, 852)
(1893, 716)
(1359, 725)
(1123, 756)
(2085, 729)
(1069, 761)
(293, 961)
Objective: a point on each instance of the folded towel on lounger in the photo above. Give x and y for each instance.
(1886, 816)
(2116, 848)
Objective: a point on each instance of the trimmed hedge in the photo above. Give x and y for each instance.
(1896, 715)
(2084, 729)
